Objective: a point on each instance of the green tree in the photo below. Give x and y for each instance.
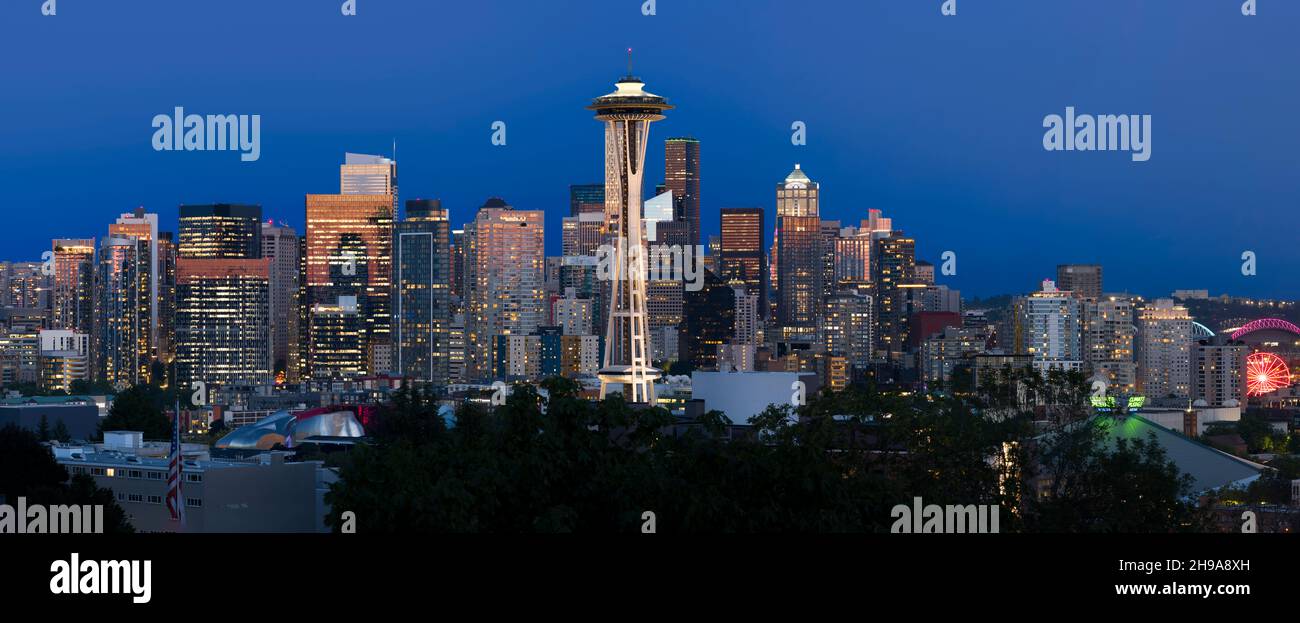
(43, 429)
(28, 469)
(138, 409)
(83, 387)
(61, 433)
(1130, 488)
(561, 463)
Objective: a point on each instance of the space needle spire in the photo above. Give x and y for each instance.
(627, 114)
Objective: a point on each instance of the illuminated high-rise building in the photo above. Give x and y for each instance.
(586, 198)
(167, 254)
(349, 254)
(20, 353)
(280, 245)
(25, 285)
(895, 265)
(1165, 351)
(1109, 338)
(741, 257)
(852, 268)
(660, 210)
(710, 323)
(1219, 371)
(223, 333)
(211, 296)
(799, 257)
(65, 359)
(363, 174)
(846, 327)
(504, 264)
(583, 234)
(1082, 279)
(123, 303)
(142, 227)
(304, 309)
(574, 315)
(876, 226)
(682, 177)
(924, 273)
(665, 282)
(830, 235)
(1051, 329)
(422, 313)
(220, 231)
(338, 339)
(73, 304)
(941, 353)
(458, 269)
(798, 195)
(457, 352)
(627, 114)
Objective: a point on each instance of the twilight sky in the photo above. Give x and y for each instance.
(935, 120)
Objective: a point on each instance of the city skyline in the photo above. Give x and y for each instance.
(971, 178)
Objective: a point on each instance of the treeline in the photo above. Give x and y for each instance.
(837, 464)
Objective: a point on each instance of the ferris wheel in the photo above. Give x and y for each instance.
(1266, 373)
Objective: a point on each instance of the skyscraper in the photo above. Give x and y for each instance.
(574, 315)
(122, 307)
(852, 258)
(895, 263)
(585, 198)
(830, 236)
(65, 357)
(458, 243)
(1108, 342)
(1164, 352)
(25, 284)
(220, 231)
(422, 314)
(710, 323)
(1082, 279)
(924, 273)
(627, 114)
(504, 262)
(223, 293)
(665, 284)
(798, 195)
(167, 254)
(1220, 371)
(367, 175)
(659, 210)
(1050, 328)
(223, 333)
(363, 174)
(74, 278)
(682, 177)
(583, 234)
(143, 228)
(280, 249)
(799, 251)
(846, 327)
(349, 253)
(338, 339)
(741, 259)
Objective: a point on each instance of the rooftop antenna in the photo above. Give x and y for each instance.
(629, 62)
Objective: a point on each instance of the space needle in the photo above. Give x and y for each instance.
(627, 114)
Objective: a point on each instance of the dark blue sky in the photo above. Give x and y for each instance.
(937, 121)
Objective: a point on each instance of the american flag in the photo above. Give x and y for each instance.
(175, 503)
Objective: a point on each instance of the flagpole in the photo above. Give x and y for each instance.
(180, 455)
